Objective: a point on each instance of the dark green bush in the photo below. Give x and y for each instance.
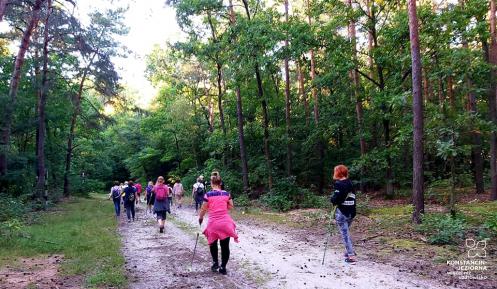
(11, 208)
(83, 187)
(286, 195)
(277, 201)
(311, 200)
(241, 201)
(442, 229)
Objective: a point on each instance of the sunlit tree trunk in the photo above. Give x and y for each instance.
(417, 178)
(14, 84)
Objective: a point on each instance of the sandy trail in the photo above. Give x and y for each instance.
(263, 258)
(155, 260)
(285, 262)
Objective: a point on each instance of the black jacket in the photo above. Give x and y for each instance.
(344, 197)
(129, 194)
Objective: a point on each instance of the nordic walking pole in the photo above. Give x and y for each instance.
(194, 250)
(332, 214)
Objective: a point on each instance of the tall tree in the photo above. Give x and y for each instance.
(476, 150)
(356, 82)
(42, 101)
(417, 109)
(492, 94)
(265, 112)
(5, 128)
(97, 46)
(239, 114)
(287, 103)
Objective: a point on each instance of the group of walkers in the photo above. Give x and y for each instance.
(217, 202)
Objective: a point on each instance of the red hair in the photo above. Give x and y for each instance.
(340, 172)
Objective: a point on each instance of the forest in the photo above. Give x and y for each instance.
(273, 94)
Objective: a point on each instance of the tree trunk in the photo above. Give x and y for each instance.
(287, 105)
(3, 4)
(14, 84)
(389, 191)
(314, 93)
(70, 139)
(476, 150)
(492, 101)
(265, 115)
(450, 91)
(220, 93)
(42, 101)
(302, 93)
(355, 80)
(240, 120)
(417, 105)
(241, 139)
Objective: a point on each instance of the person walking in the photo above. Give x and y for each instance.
(198, 193)
(130, 199)
(344, 198)
(220, 225)
(150, 196)
(161, 204)
(139, 190)
(170, 196)
(178, 192)
(115, 195)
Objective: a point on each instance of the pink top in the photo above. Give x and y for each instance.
(220, 225)
(138, 187)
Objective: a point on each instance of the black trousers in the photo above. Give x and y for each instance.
(130, 209)
(225, 252)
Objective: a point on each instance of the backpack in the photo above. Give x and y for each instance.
(200, 191)
(161, 192)
(131, 196)
(116, 192)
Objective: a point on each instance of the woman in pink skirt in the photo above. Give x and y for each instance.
(220, 225)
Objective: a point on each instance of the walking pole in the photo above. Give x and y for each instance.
(194, 250)
(332, 214)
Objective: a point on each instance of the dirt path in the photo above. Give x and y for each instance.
(264, 258)
(155, 260)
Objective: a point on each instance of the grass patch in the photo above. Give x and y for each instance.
(477, 212)
(405, 244)
(392, 211)
(84, 231)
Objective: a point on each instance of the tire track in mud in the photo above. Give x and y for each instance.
(285, 262)
(155, 260)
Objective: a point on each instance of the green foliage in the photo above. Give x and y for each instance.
(363, 206)
(277, 201)
(11, 208)
(491, 223)
(442, 228)
(241, 201)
